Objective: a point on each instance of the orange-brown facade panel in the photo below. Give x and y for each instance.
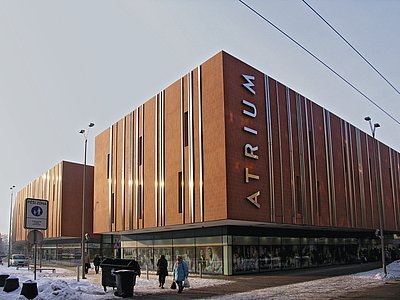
(226, 142)
(62, 186)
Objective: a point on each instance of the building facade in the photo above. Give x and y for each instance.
(239, 173)
(62, 187)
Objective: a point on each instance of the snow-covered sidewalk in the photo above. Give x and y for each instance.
(63, 285)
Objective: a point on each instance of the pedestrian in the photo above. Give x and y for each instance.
(96, 262)
(87, 262)
(162, 270)
(181, 272)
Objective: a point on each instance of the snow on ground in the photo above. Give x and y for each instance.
(323, 288)
(63, 285)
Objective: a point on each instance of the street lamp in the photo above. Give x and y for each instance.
(9, 232)
(85, 133)
(380, 207)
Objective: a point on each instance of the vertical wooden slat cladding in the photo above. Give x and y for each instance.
(297, 156)
(322, 169)
(172, 153)
(397, 195)
(72, 199)
(149, 163)
(101, 210)
(374, 178)
(215, 167)
(118, 176)
(62, 187)
(236, 97)
(307, 202)
(127, 178)
(276, 153)
(196, 183)
(366, 179)
(285, 156)
(312, 166)
(338, 163)
(386, 187)
(355, 178)
(397, 186)
(322, 212)
(186, 153)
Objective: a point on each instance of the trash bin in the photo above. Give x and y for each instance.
(110, 265)
(126, 280)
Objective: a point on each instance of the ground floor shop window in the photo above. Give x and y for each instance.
(244, 259)
(209, 259)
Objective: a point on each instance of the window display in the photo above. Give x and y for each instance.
(244, 259)
(210, 259)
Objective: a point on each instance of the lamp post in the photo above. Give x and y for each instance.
(9, 230)
(380, 206)
(85, 133)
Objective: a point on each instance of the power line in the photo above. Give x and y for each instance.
(352, 47)
(320, 61)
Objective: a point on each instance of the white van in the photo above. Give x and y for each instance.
(19, 260)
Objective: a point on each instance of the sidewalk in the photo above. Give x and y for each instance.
(253, 282)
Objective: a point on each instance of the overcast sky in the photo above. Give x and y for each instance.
(64, 64)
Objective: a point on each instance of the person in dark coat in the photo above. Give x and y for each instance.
(87, 262)
(96, 262)
(162, 270)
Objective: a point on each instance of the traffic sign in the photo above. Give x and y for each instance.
(35, 236)
(36, 216)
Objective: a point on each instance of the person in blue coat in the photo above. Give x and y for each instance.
(180, 271)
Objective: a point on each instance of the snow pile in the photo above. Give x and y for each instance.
(63, 285)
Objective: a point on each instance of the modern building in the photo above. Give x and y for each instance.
(62, 186)
(239, 173)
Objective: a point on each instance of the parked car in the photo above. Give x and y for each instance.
(19, 260)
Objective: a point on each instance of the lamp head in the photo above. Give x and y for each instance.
(82, 131)
(367, 119)
(91, 124)
(376, 125)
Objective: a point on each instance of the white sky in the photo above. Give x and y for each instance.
(64, 64)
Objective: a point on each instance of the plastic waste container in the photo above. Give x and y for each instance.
(126, 280)
(110, 265)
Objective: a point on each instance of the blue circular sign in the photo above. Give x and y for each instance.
(37, 211)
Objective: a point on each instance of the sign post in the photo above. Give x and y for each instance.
(36, 218)
(35, 237)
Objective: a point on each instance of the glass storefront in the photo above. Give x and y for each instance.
(275, 253)
(227, 250)
(202, 254)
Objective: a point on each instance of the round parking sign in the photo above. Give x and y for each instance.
(37, 211)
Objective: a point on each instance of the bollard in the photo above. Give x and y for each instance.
(29, 289)
(201, 269)
(77, 273)
(11, 284)
(3, 278)
(147, 271)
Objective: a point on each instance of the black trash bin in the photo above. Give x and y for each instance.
(110, 265)
(126, 280)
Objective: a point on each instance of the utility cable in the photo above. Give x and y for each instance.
(351, 46)
(320, 61)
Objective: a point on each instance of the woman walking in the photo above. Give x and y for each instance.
(162, 270)
(181, 272)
